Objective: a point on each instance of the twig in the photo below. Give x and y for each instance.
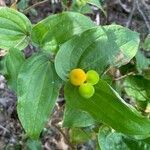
(124, 76)
(143, 15)
(34, 5)
(97, 19)
(6, 130)
(14, 4)
(108, 69)
(131, 14)
(146, 5)
(124, 6)
(65, 137)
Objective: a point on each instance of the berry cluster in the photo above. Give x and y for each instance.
(85, 81)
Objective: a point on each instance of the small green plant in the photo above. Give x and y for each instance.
(82, 6)
(63, 42)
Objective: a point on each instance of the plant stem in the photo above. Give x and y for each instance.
(124, 76)
(34, 5)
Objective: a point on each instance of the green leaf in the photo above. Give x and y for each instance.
(127, 40)
(13, 62)
(2, 66)
(23, 4)
(77, 118)
(59, 28)
(38, 88)
(146, 44)
(97, 3)
(137, 87)
(142, 63)
(117, 141)
(108, 107)
(146, 74)
(33, 145)
(78, 135)
(86, 9)
(15, 29)
(97, 48)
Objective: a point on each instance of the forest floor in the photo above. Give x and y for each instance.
(132, 14)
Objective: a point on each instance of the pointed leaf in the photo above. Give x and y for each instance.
(108, 107)
(15, 29)
(38, 88)
(13, 62)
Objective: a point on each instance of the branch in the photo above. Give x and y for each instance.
(65, 137)
(124, 76)
(6, 130)
(146, 5)
(131, 14)
(143, 15)
(34, 5)
(124, 6)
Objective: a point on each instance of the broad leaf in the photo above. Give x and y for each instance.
(56, 29)
(15, 29)
(77, 118)
(38, 88)
(108, 107)
(13, 62)
(97, 48)
(117, 141)
(137, 87)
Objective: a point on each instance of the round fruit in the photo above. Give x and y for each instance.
(77, 77)
(81, 3)
(92, 77)
(86, 90)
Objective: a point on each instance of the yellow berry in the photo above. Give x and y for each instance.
(86, 90)
(92, 77)
(77, 76)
